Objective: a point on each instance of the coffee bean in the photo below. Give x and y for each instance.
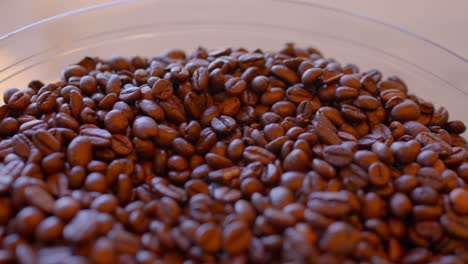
(121, 145)
(405, 152)
(337, 155)
(209, 237)
(66, 208)
(145, 128)
(379, 173)
(46, 142)
(330, 203)
(50, 229)
(18, 101)
(400, 205)
(297, 94)
(296, 160)
(405, 111)
(27, 220)
(235, 86)
(458, 200)
(254, 153)
(339, 238)
(251, 59)
(79, 151)
(366, 102)
(285, 74)
(311, 75)
(236, 238)
(115, 122)
(223, 124)
(99, 138)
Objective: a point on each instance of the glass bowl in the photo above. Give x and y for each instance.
(148, 27)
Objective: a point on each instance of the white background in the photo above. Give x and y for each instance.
(444, 22)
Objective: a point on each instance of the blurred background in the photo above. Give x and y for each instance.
(444, 22)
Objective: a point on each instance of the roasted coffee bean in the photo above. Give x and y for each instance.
(235, 86)
(66, 208)
(400, 205)
(27, 220)
(79, 152)
(145, 128)
(458, 200)
(340, 238)
(50, 229)
(311, 75)
(296, 160)
(209, 237)
(236, 238)
(297, 94)
(337, 155)
(330, 204)
(285, 74)
(223, 124)
(379, 173)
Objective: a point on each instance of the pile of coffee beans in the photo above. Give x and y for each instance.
(229, 156)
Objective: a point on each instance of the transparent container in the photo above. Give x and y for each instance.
(145, 27)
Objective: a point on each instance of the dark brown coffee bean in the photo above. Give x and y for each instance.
(285, 74)
(200, 79)
(405, 152)
(47, 102)
(405, 111)
(260, 84)
(173, 109)
(400, 205)
(296, 160)
(82, 227)
(374, 206)
(99, 138)
(223, 124)
(46, 142)
(253, 153)
(235, 86)
(50, 229)
(226, 194)
(455, 225)
(297, 94)
(96, 182)
(311, 75)
(366, 102)
(340, 238)
(251, 59)
(40, 198)
(330, 203)
(431, 178)
(18, 101)
(66, 208)
(337, 155)
(379, 173)
(66, 121)
(79, 152)
(145, 128)
(27, 220)
(236, 238)
(121, 145)
(457, 198)
(113, 84)
(209, 237)
(115, 122)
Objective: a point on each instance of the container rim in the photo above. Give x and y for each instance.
(296, 2)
